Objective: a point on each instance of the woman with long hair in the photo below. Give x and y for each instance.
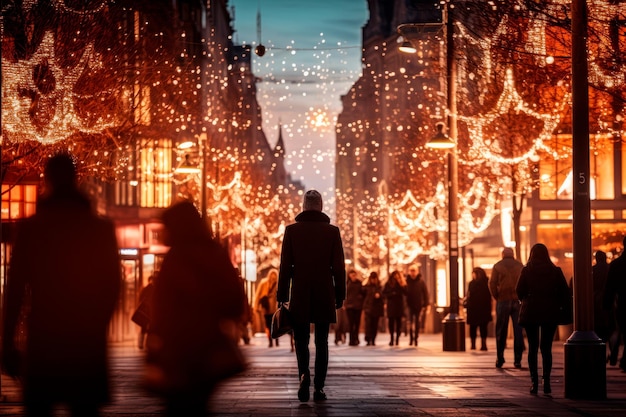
(543, 290)
(394, 291)
(374, 307)
(478, 304)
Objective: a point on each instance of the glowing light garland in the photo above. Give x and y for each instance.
(31, 112)
(481, 148)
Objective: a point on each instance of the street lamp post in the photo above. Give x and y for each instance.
(453, 323)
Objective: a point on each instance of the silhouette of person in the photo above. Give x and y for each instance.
(312, 278)
(394, 292)
(478, 304)
(543, 288)
(265, 301)
(355, 294)
(373, 306)
(145, 302)
(416, 300)
(502, 286)
(198, 302)
(615, 300)
(65, 274)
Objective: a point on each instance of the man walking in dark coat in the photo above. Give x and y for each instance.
(312, 279)
(65, 267)
(502, 286)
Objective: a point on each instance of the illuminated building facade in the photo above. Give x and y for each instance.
(514, 141)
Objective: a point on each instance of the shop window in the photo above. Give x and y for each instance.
(155, 173)
(602, 168)
(18, 201)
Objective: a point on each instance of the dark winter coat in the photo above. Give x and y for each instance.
(355, 294)
(616, 288)
(394, 295)
(416, 293)
(544, 287)
(372, 305)
(312, 275)
(478, 302)
(68, 258)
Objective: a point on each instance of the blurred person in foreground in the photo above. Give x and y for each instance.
(65, 278)
(502, 286)
(198, 302)
(312, 278)
(478, 304)
(542, 289)
(615, 302)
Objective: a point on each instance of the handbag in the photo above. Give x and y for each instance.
(141, 316)
(281, 322)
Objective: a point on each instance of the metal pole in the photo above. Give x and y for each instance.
(584, 365)
(453, 324)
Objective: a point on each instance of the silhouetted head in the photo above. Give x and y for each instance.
(312, 201)
(539, 255)
(183, 224)
(600, 256)
(373, 277)
(479, 273)
(507, 253)
(60, 173)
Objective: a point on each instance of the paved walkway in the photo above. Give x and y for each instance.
(369, 381)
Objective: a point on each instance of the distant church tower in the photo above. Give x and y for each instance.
(278, 172)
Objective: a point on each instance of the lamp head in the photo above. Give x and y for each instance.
(440, 140)
(407, 47)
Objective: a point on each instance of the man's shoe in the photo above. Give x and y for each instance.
(517, 365)
(499, 363)
(303, 391)
(319, 395)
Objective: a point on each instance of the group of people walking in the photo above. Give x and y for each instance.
(197, 299)
(402, 300)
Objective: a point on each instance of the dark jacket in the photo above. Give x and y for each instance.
(478, 302)
(372, 305)
(416, 293)
(355, 294)
(616, 287)
(545, 287)
(312, 275)
(68, 258)
(394, 295)
(504, 279)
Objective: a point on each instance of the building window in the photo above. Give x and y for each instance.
(155, 173)
(557, 177)
(18, 201)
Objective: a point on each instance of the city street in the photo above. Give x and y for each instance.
(369, 381)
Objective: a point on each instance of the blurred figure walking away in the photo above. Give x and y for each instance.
(265, 301)
(478, 304)
(374, 307)
(416, 300)
(65, 274)
(355, 294)
(312, 279)
(502, 286)
(198, 304)
(615, 300)
(543, 290)
(394, 291)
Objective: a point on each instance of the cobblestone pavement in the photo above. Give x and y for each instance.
(368, 381)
